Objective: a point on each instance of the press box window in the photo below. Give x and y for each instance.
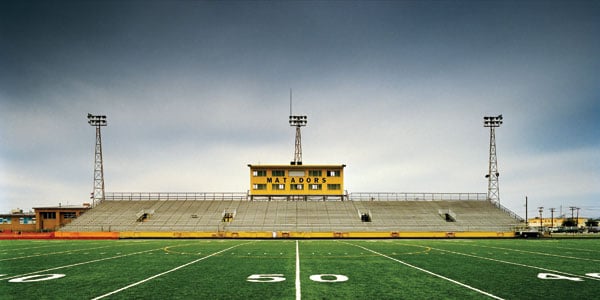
(259, 173)
(278, 187)
(316, 187)
(27, 220)
(48, 215)
(297, 187)
(259, 186)
(333, 173)
(278, 173)
(315, 173)
(333, 187)
(296, 173)
(69, 215)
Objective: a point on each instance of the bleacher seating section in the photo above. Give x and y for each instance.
(296, 216)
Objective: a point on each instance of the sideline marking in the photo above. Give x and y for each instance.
(166, 272)
(298, 294)
(430, 273)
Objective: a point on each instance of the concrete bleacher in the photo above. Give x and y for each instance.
(293, 216)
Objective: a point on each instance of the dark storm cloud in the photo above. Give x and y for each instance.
(192, 86)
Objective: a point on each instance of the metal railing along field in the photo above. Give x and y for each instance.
(416, 196)
(359, 196)
(166, 196)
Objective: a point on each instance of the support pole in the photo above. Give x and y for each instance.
(493, 174)
(98, 187)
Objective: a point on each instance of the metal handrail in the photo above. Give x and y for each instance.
(166, 196)
(508, 211)
(393, 196)
(360, 196)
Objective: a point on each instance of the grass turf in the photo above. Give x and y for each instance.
(329, 269)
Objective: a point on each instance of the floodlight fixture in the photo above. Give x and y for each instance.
(298, 121)
(96, 120)
(492, 121)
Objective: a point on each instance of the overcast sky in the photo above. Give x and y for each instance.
(396, 90)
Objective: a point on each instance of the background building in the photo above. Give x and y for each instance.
(52, 218)
(18, 221)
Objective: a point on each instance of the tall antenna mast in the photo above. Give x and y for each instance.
(297, 121)
(98, 193)
(492, 175)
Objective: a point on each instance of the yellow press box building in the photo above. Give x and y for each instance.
(297, 182)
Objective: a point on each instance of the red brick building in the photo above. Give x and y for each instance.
(53, 217)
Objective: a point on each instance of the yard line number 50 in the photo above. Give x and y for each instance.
(281, 277)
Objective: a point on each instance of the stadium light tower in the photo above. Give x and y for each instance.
(492, 175)
(98, 193)
(297, 121)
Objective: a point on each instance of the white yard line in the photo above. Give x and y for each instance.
(578, 249)
(541, 253)
(52, 253)
(80, 263)
(166, 272)
(298, 293)
(45, 246)
(518, 264)
(64, 251)
(430, 273)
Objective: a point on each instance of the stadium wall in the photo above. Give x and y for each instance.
(60, 235)
(314, 235)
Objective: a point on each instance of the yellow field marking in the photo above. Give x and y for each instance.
(428, 272)
(166, 272)
(426, 250)
(168, 249)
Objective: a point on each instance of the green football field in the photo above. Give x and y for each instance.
(303, 269)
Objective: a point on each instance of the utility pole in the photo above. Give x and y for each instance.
(526, 219)
(541, 210)
(552, 218)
